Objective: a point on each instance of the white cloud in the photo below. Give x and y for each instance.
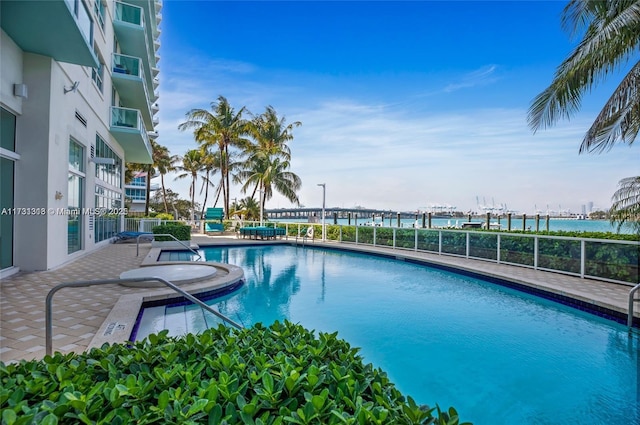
(389, 154)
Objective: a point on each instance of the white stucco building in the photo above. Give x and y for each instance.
(78, 98)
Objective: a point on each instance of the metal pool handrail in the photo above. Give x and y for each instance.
(49, 313)
(631, 300)
(153, 236)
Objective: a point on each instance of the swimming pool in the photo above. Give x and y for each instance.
(498, 355)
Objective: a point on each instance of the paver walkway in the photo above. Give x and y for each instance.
(78, 313)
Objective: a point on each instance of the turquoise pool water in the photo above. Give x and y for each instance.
(498, 355)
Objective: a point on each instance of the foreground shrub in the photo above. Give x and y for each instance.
(182, 232)
(277, 375)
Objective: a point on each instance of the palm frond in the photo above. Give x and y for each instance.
(626, 204)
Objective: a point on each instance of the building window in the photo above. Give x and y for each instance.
(7, 130)
(74, 197)
(97, 75)
(99, 8)
(76, 157)
(136, 194)
(106, 226)
(109, 174)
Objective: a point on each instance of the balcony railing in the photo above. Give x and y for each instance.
(124, 64)
(129, 13)
(126, 118)
(128, 129)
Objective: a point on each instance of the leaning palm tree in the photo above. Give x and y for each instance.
(223, 128)
(192, 166)
(610, 38)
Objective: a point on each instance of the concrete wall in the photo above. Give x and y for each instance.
(31, 171)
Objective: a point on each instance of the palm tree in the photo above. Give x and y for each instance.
(223, 128)
(271, 135)
(248, 208)
(165, 163)
(269, 158)
(192, 166)
(610, 38)
(210, 164)
(266, 175)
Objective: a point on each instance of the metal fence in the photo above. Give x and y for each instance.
(602, 259)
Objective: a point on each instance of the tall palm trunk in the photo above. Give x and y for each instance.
(164, 194)
(206, 192)
(227, 195)
(193, 197)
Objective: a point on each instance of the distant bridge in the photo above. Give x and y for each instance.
(332, 212)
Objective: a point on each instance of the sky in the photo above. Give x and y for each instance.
(403, 105)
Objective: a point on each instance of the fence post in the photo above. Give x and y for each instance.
(467, 249)
(583, 257)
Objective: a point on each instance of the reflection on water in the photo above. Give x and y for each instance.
(270, 283)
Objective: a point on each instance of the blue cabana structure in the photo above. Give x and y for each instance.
(213, 214)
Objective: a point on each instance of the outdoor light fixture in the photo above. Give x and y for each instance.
(20, 90)
(74, 87)
(324, 192)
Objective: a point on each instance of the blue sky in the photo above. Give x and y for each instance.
(403, 105)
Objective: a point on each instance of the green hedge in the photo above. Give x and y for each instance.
(283, 374)
(182, 232)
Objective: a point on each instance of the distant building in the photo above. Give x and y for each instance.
(78, 98)
(136, 192)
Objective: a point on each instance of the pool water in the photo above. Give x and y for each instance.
(499, 356)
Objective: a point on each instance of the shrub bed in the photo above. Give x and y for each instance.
(182, 232)
(282, 374)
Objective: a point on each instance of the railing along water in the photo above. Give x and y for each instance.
(49, 299)
(608, 260)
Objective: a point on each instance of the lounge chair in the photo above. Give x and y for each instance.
(130, 236)
(214, 214)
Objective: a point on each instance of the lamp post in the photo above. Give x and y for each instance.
(324, 192)
(261, 207)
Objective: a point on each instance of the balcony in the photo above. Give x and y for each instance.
(60, 29)
(127, 73)
(128, 129)
(150, 10)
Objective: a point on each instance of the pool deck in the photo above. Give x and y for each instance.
(80, 313)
